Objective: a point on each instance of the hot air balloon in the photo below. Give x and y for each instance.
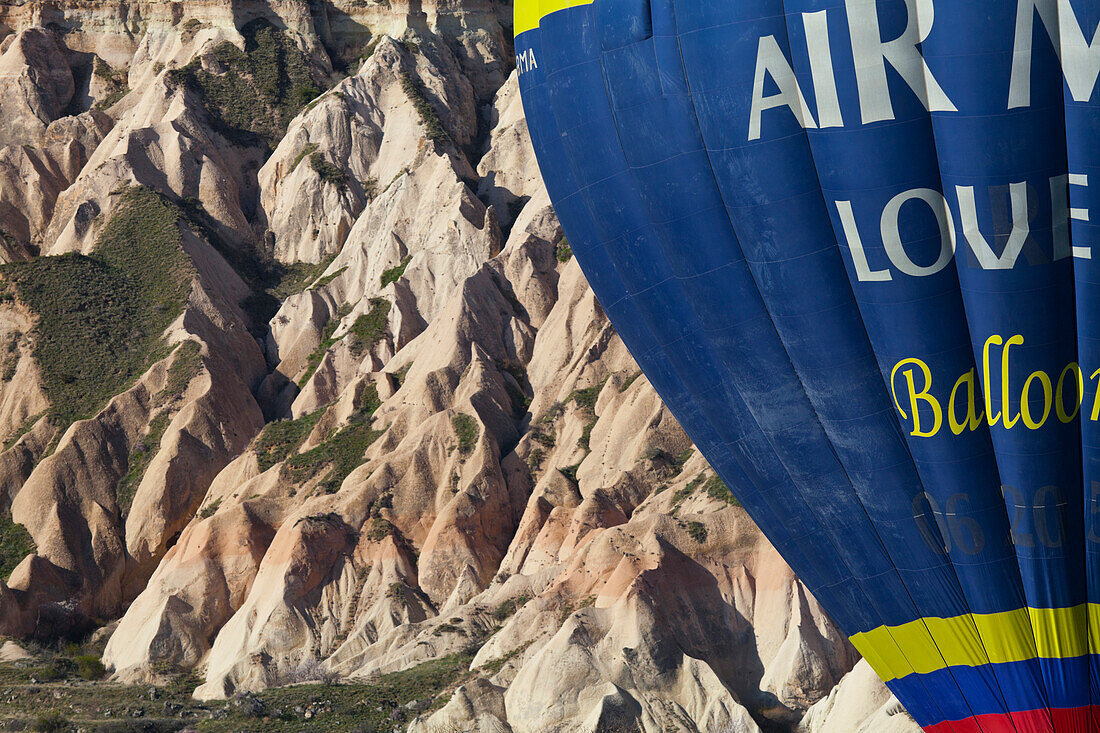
(854, 245)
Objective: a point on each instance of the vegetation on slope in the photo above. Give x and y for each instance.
(328, 172)
(369, 327)
(466, 431)
(394, 274)
(15, 544)
(328, 340)
(114, 82)
(100, 317)
(586, 402)
(414, 90)
(64, 691)
(140, 458)
(282, 437)
(262, 89)
(342, 452)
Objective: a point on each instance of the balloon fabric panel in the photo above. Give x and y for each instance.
(849, 243)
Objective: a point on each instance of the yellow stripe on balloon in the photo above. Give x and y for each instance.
(972, 640)
(528, 13)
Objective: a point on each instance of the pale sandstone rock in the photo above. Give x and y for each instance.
(508, 171)
(86, 555)
(860, 703)
(32, 178)
(163, 142)
(116, 30)
(36, 84)
(11, 652)
(201, 580)
(369, 127)
(477, 707)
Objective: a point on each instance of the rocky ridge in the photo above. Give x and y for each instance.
(386, 421)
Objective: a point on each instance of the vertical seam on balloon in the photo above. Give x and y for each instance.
(1089, 611)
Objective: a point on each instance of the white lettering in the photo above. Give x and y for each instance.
(770, 61)
(1080, 58)
(821, 69)
(891, 237)
(855, 246)
(871, 54)
(1062, 214)
(1021, 227)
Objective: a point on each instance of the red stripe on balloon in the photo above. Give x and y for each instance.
(1052, 720)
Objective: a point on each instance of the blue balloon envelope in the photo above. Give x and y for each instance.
(852, 244)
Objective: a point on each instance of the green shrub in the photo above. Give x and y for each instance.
(415, 92)
(114, 81)
(493, 666)
(189, 28)
(328, 340)
(680, 495)
(210, 509)
(25, 428)
(394, 274)
(15, 544)
(466, 431)
(328, 172)
(586, 401)
(507, 608)
(323, 281)
(698, 531)
(186, 365)
(369, 49)
(380, 529)
(584, 442)
(716, 489)
(570, 472)
(666, 462)
(262, 89)
(370, 188)
(369, 328)
(563, 251)
(140, 457)
(586, 398)
(279, 439)
(541, 435)
(448, 628)
(101, 317)
(343, 452)
(401, 375)
(307, 149)
(9, 355)
(568, 609)
(89, 667)
(113, 97)
(58, 668)
(51, 722)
